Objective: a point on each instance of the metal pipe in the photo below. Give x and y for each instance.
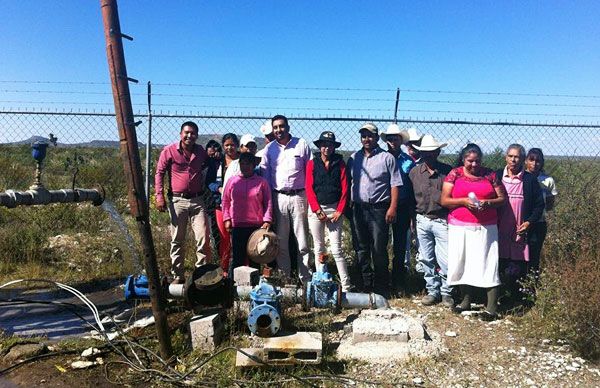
(349, 299)
(41, 196)
(363, 300)
(132, 165)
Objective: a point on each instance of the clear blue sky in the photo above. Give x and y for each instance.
(540, 47)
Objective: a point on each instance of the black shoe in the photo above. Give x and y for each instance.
(486, 316)
(448, 301)
(430, 300)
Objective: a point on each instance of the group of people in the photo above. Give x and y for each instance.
(474, 227)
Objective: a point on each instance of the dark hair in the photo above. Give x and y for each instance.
(213, 144)
(537, 152)
(189, 124)
(468, 149)
(518, 147)
(280, 117)
(231, 136)
(247, 157)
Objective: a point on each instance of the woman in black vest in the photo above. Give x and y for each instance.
(327, 195)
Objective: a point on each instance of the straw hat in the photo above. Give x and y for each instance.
(414, 137)
(428, 143)
(263, 246)
(394, 129)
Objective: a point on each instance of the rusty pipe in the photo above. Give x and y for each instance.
(41, 196)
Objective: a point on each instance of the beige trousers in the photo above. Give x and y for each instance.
(181, 211)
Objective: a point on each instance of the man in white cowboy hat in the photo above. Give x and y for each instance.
(413, 139)
(374, 190)
(432, 227)
(395, 138)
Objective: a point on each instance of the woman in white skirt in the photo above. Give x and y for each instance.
(472, 193)
(327, 196)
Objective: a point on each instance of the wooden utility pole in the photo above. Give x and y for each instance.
(130, 154)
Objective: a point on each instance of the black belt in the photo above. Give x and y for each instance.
(379, 205)
(186, 195)
(289, 192)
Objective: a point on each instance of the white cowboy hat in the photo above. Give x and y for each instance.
(414, 137)
(428, 143)
(394, 129)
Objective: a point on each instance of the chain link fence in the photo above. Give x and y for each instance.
(87, 155)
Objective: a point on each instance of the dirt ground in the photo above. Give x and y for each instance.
(479, 354)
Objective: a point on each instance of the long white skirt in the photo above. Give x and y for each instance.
(473, 256)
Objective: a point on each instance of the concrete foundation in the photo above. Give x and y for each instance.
(386, 325)
(388, 335)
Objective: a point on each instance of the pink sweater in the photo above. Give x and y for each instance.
(247, 202)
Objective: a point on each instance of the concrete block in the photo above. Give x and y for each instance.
(299, 348)
(241, 360)
(369, 337)
(206, 332)
(386, 325)
(246, 276)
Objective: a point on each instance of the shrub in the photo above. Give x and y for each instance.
(568, 292)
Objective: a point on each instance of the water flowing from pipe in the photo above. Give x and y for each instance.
(114, 214)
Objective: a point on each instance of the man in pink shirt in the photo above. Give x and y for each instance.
(184, 163)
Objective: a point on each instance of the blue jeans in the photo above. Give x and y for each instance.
(373, 235)
(433, 253)
(400, 234)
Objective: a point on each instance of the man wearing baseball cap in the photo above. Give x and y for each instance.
(432, 226)
(374, 192)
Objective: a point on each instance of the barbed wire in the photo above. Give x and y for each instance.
(343, 89)
(312, 109)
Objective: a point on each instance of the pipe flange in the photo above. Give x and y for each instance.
(264, 320)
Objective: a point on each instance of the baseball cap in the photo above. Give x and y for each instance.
(247, 138)
(370, 127)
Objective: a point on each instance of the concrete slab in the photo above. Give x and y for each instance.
(298, 348)
(56, 321)
(386, 325)
(381, 336)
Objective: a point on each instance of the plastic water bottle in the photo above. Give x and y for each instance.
(474, 200)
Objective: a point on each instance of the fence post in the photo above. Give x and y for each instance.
(149, 144)
(133, 167)
(396, 108)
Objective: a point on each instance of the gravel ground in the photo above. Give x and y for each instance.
(469, 353)
(483, 354)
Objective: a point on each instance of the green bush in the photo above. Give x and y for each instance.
(568, 292)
